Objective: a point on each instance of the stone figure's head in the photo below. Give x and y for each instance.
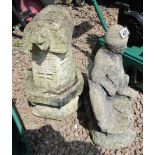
(51, 30)
(116, 38)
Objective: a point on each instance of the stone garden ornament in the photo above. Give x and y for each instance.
(110, 95)
(54, 84)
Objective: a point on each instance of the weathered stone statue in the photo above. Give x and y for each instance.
(109, 94)
(54, 83)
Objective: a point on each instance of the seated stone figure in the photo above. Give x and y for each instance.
(109, 93)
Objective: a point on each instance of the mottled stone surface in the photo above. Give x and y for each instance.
(50, 25)
(48, 38)
(113, 115)
(110, 95)
(40, 95)
(56, 113)
(54, 80)
(102, 130)
(108, 71)
(113, 141)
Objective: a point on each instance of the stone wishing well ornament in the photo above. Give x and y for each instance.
(54, 84)
(109, 94)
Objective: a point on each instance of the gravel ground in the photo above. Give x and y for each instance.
(70, 136)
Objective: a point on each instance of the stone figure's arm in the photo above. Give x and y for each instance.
(100, 76)
(129, 92)
(100, 73)
(124, 86)
(112, 75)
(124, 90)
(105, 83)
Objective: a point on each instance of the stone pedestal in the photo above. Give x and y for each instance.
(54, 83)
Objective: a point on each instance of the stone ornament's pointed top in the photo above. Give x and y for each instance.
(51, 29)
(53, 12)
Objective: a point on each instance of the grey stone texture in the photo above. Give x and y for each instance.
(113, 141)
(113, 37)
(40, 95)
(108, 71)
(55, 113)
(113, 114)
(48, 38)
(54, 80)
(110, 96)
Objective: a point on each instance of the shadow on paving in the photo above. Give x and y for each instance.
(85, 113)
(81, 29)
(47, 141)
(92, 40)
(82, 114)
